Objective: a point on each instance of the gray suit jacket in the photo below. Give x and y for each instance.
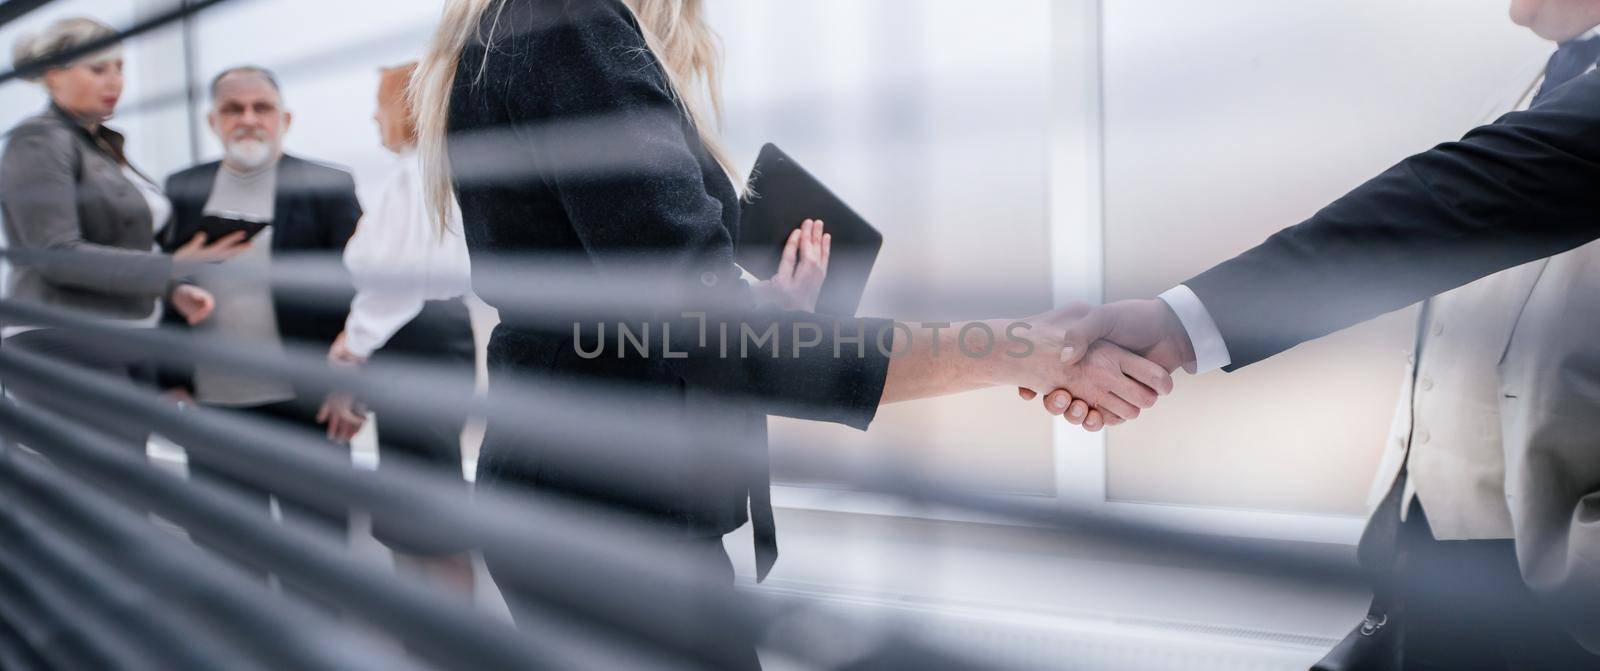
(62, 191)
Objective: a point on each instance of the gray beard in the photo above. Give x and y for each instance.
(249, 156)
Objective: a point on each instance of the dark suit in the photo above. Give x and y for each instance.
(315, 212)
(1523, 188)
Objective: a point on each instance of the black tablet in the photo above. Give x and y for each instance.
(782, 196)
(217, 227)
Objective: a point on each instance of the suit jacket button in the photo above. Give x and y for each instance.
(708, 278)
(1438, 328)
(1427, 383)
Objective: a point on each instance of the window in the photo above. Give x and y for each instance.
(925, 115)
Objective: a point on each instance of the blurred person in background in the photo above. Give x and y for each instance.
(579, 130)
(311, 209)
(412, 281)
(80, 223)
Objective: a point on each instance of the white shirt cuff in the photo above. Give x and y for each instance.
(375, 317)
(1210, 352)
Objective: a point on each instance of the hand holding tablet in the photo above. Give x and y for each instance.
(783, 197)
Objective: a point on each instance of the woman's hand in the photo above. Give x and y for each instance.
(340, 356)
(800, 272)
(1118, 383)
(343, 416)
(178, 396)
(197, 251)
(1075, 410)
(1106, 387)
(193, 303)
(340, 411)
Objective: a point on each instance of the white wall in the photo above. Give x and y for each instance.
(1229, 119)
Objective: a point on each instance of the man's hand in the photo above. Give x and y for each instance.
(193, 303)
(1147, 327)
(1117, 383)
(196, 251)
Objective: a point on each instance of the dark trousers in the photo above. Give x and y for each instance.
(678, 614)
(1466, 608)
(294, 513)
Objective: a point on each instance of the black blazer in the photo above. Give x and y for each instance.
(315, 212)
(1522, 188)
(565, 141)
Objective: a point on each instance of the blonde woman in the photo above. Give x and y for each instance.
(80, 220)
(582, 128)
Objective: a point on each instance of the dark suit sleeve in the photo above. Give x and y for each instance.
(335, 212)
(171, 237)
(341, 211)
(595, 117)
(172, 374)
(1523, 188)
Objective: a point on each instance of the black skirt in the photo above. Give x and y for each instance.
(440, 337)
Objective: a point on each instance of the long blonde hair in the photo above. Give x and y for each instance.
(675, 31)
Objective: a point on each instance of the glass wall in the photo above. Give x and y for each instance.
(929, 117)
(1229, 119)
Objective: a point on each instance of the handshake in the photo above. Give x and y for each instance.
(1098, 367)
(1114, 361)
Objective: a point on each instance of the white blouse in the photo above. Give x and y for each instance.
(399, 260)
